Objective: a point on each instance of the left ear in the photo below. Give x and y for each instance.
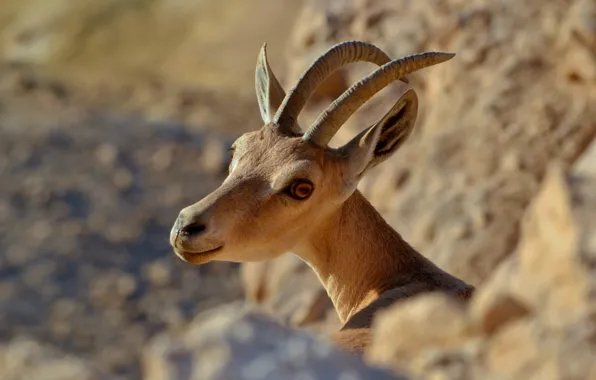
(379, 141)
(270, 93)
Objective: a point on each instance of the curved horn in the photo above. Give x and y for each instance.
(330, 120)
(336, 57)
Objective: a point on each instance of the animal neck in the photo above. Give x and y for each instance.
(358, 256)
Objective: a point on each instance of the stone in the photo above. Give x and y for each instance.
(514, 349)
(106, 154)
(532, 319)
(28, 359)
(404, 333)
(234, 342)
(513, 130)
(495, 311)
(287, 287)
(215, 157)
(548, 253)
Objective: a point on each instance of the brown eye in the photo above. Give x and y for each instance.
(301, 189)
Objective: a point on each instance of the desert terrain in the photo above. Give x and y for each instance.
(116, 114)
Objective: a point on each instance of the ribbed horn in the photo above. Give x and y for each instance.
(338, 112)
(336, 57)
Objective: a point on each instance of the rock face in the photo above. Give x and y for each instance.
(233, 342)
(532, 319)
(518, 95)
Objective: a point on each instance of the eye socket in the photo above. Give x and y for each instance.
(231, 151)
(300, 189)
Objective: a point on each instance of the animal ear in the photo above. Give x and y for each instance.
(379, 141)
(395, 127)
(269, 92)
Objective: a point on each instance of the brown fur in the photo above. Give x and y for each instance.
(367, 272)
(362, 262)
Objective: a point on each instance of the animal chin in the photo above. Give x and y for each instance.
(201, 257)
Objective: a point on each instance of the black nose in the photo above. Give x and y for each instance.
(189, 224)
(193, 228)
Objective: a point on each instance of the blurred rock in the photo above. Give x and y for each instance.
(407, 333)
(533, 319)
(89, 193)
(331, 88)
(27, 359)
(586, 164)
(236, 343)
(289, 289)
(158, 273)
(96, 39)
(550, 252)
(578, 40)
(503, 101)
(215, 157)
(106, 154)
(495, 308)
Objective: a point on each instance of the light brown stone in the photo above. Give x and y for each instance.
(288, 288)
(237, 343)
(406, 330)
(495, 311)
(551, 277)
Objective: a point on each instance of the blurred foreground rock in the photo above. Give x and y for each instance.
(289, 289)
(27, 359)
(233, 342)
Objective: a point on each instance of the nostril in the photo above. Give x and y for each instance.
(193, 229)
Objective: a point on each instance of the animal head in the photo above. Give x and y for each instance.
(282, 183)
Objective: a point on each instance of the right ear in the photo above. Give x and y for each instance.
(269, 92)
(379, 141)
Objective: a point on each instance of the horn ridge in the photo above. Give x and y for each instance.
(336, 57)
(338, 112)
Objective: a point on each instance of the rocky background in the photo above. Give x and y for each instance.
(115, 114)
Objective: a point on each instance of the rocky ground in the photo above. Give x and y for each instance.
(495, 185)
(87, 200)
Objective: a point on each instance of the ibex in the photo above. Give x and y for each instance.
(289, 191)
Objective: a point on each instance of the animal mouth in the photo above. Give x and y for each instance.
(197, 257)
